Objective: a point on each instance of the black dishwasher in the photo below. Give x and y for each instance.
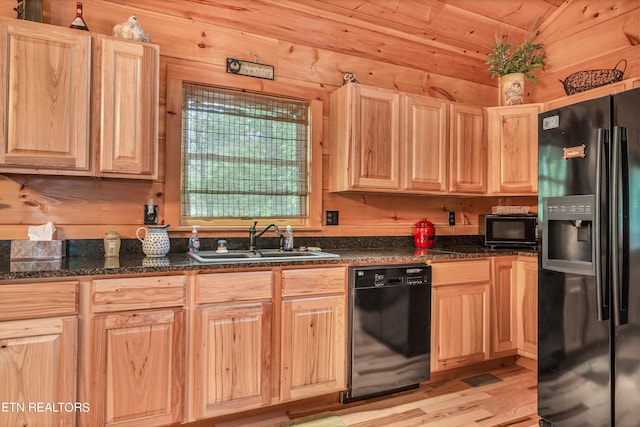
(389, 329)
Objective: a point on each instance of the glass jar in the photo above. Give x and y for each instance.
(111, 244)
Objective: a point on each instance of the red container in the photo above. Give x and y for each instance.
(424, 234)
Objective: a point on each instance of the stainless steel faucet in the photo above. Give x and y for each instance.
(253, 236)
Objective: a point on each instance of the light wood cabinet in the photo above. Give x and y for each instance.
(512, 136)
(125, 107)
(468, 150)
(231, 350)
(527, 307)
(38, 354)
(74, 110)
(461, 318)
(313, 332)
(365, 138)
(387, 141)
(503, 299)
(424, 144)
(44, 83)
(134, 349)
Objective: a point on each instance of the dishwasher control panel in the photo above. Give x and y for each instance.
(391, 275)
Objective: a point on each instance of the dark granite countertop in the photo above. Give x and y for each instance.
(97, 265)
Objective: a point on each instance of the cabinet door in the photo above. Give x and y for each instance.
(136, 369)
(44, 78)
(460, 325)
(365, 138)
(424, 149)
(38, 367)
(468, 150)
(232, 358)
(513, 149)
(313, 358)
(504, 329)
(125, 107)
(527, 297)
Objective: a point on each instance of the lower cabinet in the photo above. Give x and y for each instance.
(527, 307)
(134, 352)
(231, 343)
(38, 365)
(460, 330)
(313, 334)
(253, 346)
(504, 311)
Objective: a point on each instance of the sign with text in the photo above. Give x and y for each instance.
(251, 69)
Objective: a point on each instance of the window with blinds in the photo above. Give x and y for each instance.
(244, 155)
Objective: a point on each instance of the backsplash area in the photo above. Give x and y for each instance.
(95, 247)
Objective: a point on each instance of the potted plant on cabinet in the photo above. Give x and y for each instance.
(513, 64)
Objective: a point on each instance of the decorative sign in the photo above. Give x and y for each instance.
(251, 69)
(574, 152)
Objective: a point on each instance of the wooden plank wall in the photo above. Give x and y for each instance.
(88, 207)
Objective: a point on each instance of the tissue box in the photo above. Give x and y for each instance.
(38, 249)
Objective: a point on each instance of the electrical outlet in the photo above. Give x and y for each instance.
(331, 217)
(452, 218)
(150, 217)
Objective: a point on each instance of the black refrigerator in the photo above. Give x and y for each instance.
(589, 263)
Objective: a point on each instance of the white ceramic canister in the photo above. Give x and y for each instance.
(156, 240)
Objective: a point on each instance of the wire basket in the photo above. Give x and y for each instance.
(591, 79)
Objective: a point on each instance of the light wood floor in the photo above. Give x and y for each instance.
(449, 403)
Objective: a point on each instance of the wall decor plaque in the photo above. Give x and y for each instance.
(250, 69)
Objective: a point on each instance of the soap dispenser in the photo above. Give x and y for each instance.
(288, 239)
(194, 240)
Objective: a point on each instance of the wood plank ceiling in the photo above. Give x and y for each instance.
(446, 37)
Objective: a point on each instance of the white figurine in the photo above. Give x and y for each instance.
(132, 30)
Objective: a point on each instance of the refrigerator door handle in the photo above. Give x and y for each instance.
(599, 266)
(619, 220)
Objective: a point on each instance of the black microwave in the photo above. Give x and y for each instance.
(511, 230)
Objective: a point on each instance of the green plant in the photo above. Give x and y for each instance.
(504, 59)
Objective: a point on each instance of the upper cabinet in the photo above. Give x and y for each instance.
(125, 103)
(468, 149)
(387, 141)
(78, 103)
(512, 136)
(365, 133)
(425, 144)
(44, 88)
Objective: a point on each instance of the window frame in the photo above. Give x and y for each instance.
(213, 76)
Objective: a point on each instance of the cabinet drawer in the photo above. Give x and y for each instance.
(134, 293)
(461, 272)
(228, 287)
(32, 300)
(313, 281)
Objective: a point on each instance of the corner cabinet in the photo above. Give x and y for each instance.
(133, 352)
(125, 108)
(44, 91)
(461, 318)
(512, 137)
(38, 354)
(313, 332)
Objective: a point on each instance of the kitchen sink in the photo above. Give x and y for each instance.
(261, 255)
